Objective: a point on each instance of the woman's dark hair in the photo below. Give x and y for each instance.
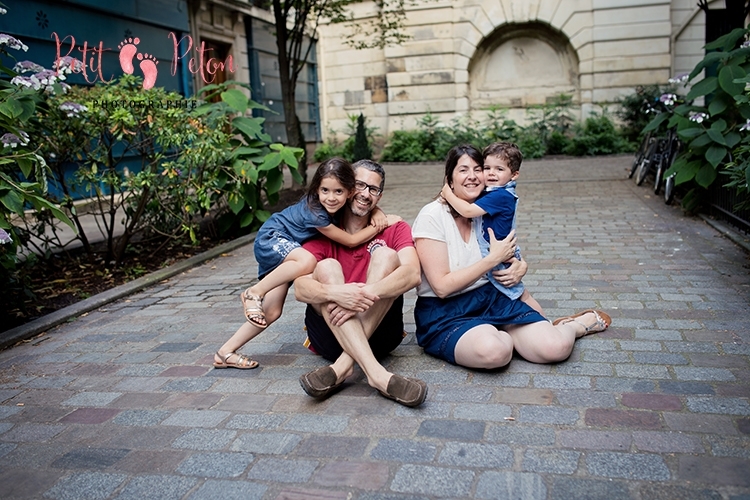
(339, 169)
(451, 161)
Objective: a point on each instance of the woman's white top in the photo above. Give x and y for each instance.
(435, 222)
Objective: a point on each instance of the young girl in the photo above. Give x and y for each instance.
(281, 257)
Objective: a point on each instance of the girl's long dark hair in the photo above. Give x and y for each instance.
(338, 168)
(451, 161)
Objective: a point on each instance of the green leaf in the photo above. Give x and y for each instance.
(274, 181)
(716, 136)
(710, 58)
(726, 42)
(718, 104)
(272, 161)
(13, 202)
(60, 215)
(687, 173)
(701, 141)
(262, 215)
(289, 158)
(689, 133)
(732, 138)
(719, 125)
(245, 150)
(247, 219)
(26, 166)
(747, 175)
(703, 87)
(252, 174)
(11, 108)
(297, 176)
(654, 124)
(679, 163)
(248, 126)
(705, 176)
(235, 99)
(235, 202)
(715, 154)
(727, 75)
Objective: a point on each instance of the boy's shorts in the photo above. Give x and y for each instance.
(386, 337)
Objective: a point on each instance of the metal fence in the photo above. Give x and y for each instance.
(722, 202)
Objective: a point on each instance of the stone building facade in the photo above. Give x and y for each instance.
(467, 55)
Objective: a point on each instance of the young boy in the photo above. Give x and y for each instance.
(497, 206)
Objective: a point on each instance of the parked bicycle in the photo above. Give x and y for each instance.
(656, 155)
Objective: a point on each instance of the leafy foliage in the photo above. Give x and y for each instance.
(715, 133)
(551, 130)
(23, 171)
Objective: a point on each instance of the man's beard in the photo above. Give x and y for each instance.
(358, 210)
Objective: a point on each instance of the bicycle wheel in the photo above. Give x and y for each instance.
(645, 165)
(669, 189)
(639, 154)
(643, 169)
(659, 174)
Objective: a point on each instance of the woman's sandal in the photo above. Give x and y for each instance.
(254, 312)
(243, 362)
(603, 320)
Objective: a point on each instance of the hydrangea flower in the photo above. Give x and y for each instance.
(73, 109)
(745, 44)
(13, 43)
(47, 77)
(746, 126)
(3, 11)
(27, 66)
(668, 99)
(5, 237)
(12, 140)
(67, 65)
(25, 81)
(683, 78)
(698, 117)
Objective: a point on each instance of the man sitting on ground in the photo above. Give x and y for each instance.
(355, 301)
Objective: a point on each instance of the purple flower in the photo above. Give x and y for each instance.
(668, 99)
(5, 237)
(13, 43)
(698, 117)
(47, 77)
(746, 126)
(12, 140)
(682, 78)
(27, 66)
(73, 109)
(25, 81)
(67, 65)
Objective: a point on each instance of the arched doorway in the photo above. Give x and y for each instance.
(520, 65)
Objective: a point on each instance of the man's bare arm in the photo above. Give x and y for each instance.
(353, 296)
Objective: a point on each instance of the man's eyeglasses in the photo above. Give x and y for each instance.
(374, 190)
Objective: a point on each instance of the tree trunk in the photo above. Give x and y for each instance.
(288, 78)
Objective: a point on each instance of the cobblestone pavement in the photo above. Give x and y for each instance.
(124, 403)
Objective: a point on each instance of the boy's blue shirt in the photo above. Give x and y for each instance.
(500, 204)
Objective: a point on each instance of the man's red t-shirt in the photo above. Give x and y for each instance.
(354, 261)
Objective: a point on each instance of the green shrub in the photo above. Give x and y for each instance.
(633, 110)
(597, 136)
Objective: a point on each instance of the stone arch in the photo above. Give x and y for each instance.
(518, 65)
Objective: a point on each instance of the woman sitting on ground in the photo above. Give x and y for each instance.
(460, 316)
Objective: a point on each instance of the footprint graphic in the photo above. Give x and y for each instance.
(148, 66)
(127, 50)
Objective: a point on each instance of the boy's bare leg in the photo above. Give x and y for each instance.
(531, 302)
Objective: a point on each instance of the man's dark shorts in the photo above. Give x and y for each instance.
(386, 337)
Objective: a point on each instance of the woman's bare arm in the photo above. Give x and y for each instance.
(433, 255)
